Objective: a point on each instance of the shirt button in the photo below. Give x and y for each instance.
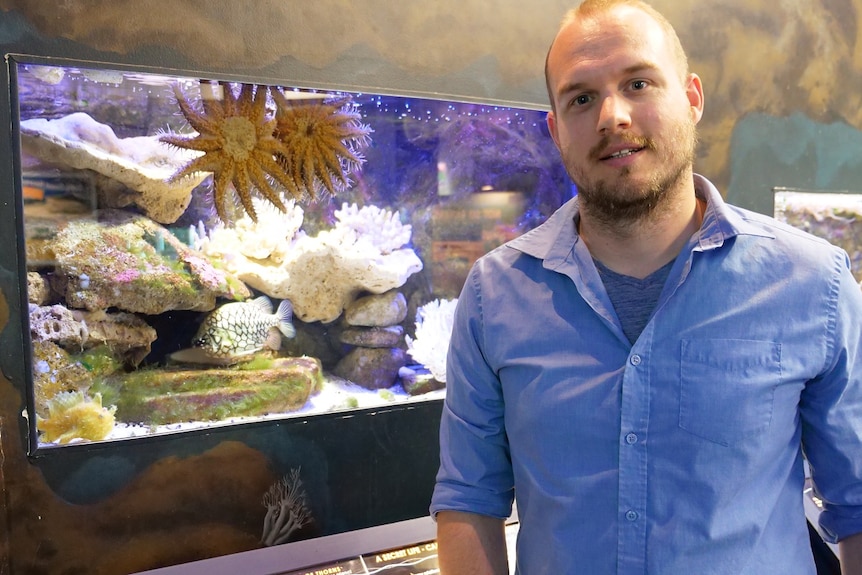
(631, 438)
(635, 359)
(631, 515)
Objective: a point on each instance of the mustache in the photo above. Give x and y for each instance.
(598, 151)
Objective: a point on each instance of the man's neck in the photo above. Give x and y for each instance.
(639, 248)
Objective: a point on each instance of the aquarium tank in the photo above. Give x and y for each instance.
(206, 252)
(831, 215)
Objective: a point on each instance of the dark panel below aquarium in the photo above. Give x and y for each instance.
(202, 494)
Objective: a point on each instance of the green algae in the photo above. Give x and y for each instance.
(158, 397)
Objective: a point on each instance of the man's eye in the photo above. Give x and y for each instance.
(581, 100)
(639, 84)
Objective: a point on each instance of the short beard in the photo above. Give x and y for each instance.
(610, 208)
(621, 204)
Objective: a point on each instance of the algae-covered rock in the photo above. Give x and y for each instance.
(419, 383)
(54, 372)
(132, 263)
(159, 397)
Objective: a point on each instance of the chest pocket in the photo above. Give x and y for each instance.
(727, 388)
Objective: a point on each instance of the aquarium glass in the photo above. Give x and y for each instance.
(204, 252)
(833, 216)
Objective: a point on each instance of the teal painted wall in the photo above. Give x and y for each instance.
(791, 152)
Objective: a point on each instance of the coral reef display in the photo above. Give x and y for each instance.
(153, 400)
(189, 265)
(433, 331)
(235, 134)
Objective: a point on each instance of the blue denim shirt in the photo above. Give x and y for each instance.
(682, 453)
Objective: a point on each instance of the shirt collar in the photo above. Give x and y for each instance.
(555, 239)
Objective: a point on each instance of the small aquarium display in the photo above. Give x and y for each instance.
(833, 216)
(207, 252)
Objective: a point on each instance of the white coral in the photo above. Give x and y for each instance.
(267, 239)
(378, 227)
(433, 331)
(322, 274)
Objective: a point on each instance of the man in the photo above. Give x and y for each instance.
(643, 371)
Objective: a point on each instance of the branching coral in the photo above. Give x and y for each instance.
(320, 274)
(235, 133)
(380, 228)
(433, 332)
(269, 237)
(286, 509)
(324, 141)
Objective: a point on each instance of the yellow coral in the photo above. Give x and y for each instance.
(73, 415)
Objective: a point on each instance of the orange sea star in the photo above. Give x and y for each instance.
(323, 140)
(236, 136)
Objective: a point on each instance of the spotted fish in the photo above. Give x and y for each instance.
(242, 328)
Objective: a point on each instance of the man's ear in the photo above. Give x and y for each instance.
(694, 92)
(552, 127)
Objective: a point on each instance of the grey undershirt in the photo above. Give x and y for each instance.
(634, 299)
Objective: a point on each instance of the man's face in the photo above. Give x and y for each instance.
(624, 119)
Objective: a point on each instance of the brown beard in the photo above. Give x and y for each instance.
(617, 204)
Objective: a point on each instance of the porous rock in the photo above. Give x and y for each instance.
(126, 335)
(38, 289)
(140, 165)
(326, 278)
(54, 372)
(320, 275)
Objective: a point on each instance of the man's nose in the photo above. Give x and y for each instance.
(614, 114)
